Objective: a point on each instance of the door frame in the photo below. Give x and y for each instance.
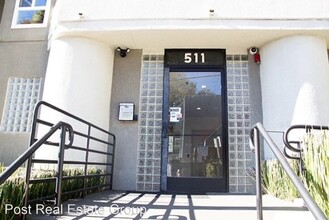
(174, 61)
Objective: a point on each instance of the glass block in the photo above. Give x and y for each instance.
(241, 189)
(244, 57)
(141, 162)
(233, 188)
(233, 180)
(232, 172)
(150, 115)
(158, 115)
(241, 181)
(250, 188)
(140, 187)
(140, 178)
(241, 163)
(241, 155)
(149, 170)
(151, 100)
(148, 187)
(141, 170)
(159, 85)
(148, 179)
(142, 139)
(232, 147)
(236, 57)
(143, 108)
(146, 57)
(149, 154)
(157, 171)
(141, 154)
(158, 131)
(143, 122)
(157, 154)
(158, 123)
(230, 93)
(157, 146)
(232, 164)
(145, 65)
(157, 138)
(150, 122)
(157, 163)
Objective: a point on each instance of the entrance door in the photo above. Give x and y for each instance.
(196, 128)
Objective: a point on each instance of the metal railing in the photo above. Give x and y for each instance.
(84, 137)
(255, 133)
(294, 146)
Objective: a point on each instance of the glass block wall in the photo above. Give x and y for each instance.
(150, 124)
(239, 123)
(21, 97)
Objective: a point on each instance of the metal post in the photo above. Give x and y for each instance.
(312, 206)
(259, 199)
(86, 164)
(60, 163)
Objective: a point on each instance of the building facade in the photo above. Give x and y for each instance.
(179, 83)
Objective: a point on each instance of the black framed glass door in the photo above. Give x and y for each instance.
(195, 128)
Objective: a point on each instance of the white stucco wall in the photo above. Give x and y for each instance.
(294, 79)
(154, 25)
(79, 80)
(143, 9)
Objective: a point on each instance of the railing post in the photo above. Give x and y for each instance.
(85, 180)
(259, 198)
(58, 190)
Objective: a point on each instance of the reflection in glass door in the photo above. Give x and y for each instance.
(195, 132)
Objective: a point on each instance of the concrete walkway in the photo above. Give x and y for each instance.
(125, 205)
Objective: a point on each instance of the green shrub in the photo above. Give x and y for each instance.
(1, 168)
(316, 159)
(12, 191)
(316, 175)
(277, 182)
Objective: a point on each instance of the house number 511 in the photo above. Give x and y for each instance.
(194, 58)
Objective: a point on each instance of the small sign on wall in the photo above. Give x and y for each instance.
(126, 111)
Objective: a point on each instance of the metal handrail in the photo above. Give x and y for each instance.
(255, 146)
(89, 134)
(87, 149)
(307, 128)
(31, 150)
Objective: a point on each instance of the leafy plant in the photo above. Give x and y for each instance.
(277, 182)
(12, 191)
(316, 175)
(316, 159)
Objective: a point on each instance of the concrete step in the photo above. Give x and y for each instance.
(133, 205)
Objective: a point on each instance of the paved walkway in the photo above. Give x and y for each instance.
(125, 205)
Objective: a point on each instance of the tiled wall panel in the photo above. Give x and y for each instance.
(150, 124)
(21, 97)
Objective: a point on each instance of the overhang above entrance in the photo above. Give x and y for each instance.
(234, 35)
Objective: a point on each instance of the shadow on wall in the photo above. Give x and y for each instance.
(12, 146)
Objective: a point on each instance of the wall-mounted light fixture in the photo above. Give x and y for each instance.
(123, 52)
(255, 52)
